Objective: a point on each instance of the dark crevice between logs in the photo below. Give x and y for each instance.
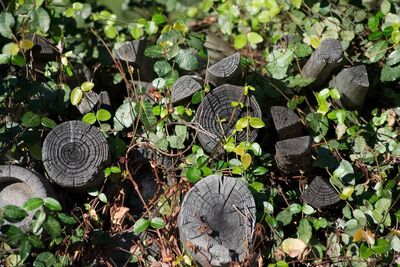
(217, 117)
(216, 221)
(74, 154)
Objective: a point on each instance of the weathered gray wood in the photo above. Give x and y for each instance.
(185, 87)
(353, 85)
(293, 155)
(320, 193)
(74, 154)
(18, 184)
(89, 100)
(217, 117)
(224, 71)
(217, 47)
(132, 51)
(217, 220)
(104, 100)
(323, 61)
(286, 122)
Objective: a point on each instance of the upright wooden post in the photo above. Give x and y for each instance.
(286, 122)
(224, 71)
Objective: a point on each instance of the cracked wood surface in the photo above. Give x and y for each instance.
(217, 220)
(74, 153)
(226, 70)
(287, 123)
(185, 87)
(320, 193)
(217, 117)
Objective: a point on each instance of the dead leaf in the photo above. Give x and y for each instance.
(358, 235)
(369, 237)
(293, 247)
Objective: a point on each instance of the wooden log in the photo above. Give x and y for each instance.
(104, 101)
(217, 47)
(17, 185)
(185, 87)
(217, 117)
(132, 51)
(323, 61)
(147, 154)
(74, 154)
(88, 102)
(353, 85)
(224, 71)
(286, 122)
(320, 193)
(293, 155)
(217, 220)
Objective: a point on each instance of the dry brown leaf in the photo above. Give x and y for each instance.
(358, 235)
(293, 247)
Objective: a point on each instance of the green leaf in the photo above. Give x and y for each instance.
(14, 213)
(87, 86)
(157, 223)
(33, 203)
(39, 221)
(382, 246)
(18, 60)
(35, 241)
(146, 114)
(187, 60)
(256, 123)
(304, 230)
(246, 160)
(45, 259)
(395, 244)
(25, 249)
(242, 123)
(89, 118)
(110, 31)
(103, 115)
(365, 251)
(159, 18)
(377, 51)
(193, 174)
(278, 63)
(395, 37)
(151, 27)
(393, 58)
(65, 218)
(373, 23)
(52, 204)
(7, 22)
(240, 41)
(124, 115)
(52, 227)
(49, 123)
(389, 74)
(155, 51)
(40, 20)
(162, 67)
(103, 198)
(76, 96)
(260, 170)
(31, 119)
(141, 225)
(308, 210)
(137, 32)
(297, 4)
(285, 217)
(343, 170)
(254, 38)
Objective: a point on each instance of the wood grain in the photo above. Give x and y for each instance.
(224, 71)
(216, 220)
(320, 193)
(185, 87)
(286, 122)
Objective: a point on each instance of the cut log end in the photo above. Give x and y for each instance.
(185, 87)
(294, 155)
(286, 122)
(132, 51)
(217, 117)
(88, 102)
(74, 153)
(320, 193)
(226, 70)
(353, 85)
(216, 220)
(323, 61)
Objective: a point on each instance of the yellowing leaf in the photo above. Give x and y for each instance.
(358, 235)
(14, 49)
(242, 123)
(26, 44)
(240, 151)
(246, 160)
(87, 86)
(64, 61)
(296, 3)
(293, 247)
(76, 96)
(315, 41)
(346, 193)
(396, 37)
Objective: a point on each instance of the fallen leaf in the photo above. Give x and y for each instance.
(293, 247)
(358, 235)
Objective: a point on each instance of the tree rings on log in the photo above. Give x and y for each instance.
(17, 185)
(74, 153)
(286, 122)
(185, 87)
(353, 85)
(320, 193)
(132, 51)
(293, 155)
(323, 61)
(216, 221)
(226, 70)
(217, 117)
